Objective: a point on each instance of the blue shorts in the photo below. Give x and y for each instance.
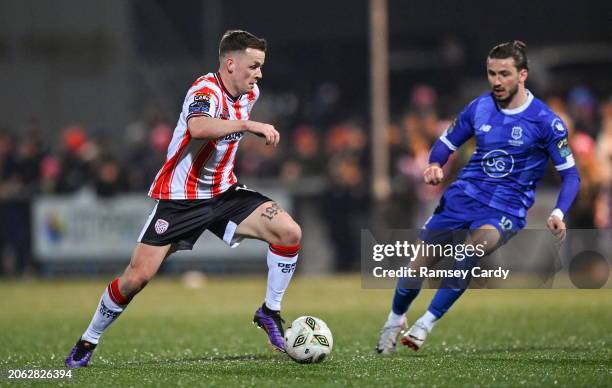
(458, 214)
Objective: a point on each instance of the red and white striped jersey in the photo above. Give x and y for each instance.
(200, 168)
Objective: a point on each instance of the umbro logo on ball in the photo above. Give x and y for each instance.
(161, 226)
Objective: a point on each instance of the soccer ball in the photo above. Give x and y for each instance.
(308, 340)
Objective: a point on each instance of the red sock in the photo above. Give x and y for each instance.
(115, 295)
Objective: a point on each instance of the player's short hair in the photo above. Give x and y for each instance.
(239, 40)
(516, 50)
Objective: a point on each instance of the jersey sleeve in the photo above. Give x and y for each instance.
(202, 100)
(460, 130)
(557, 145)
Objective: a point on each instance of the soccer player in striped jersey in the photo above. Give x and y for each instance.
(196, 189)
(515, 134)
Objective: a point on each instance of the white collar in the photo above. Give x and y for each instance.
(521, 108)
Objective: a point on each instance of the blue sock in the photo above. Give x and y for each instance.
(443, 300)
(402, 299)
(450, 290)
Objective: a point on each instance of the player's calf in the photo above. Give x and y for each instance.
(145, 262)
(132, 282)
(112, 303)
(143, 266)
(282, 261)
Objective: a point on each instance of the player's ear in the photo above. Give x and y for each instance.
(230, 64)
(523, 74)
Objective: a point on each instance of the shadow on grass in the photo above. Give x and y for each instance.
(409, 353)
(216, 359)
(552, 361)
(531, 348)
(537, 354)
(473, 352)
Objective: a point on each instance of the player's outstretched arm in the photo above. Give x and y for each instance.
(458, 133)
(204, 127)
(557, 227)
(570, 185)
(438, 156)
(266, 131)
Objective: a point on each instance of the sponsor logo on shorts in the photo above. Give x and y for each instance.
(161, 226)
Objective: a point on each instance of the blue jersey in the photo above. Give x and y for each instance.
(512, 150)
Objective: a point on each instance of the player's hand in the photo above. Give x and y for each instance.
(266, 131)
(557, 227)
(433, 174)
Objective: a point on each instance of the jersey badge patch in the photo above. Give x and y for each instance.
(558, 126)
(563, 148)
(517, 134)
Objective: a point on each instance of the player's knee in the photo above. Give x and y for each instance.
(290, 234)
(487, 235)
(135, 281)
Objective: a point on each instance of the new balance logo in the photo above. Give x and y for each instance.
(485, 128)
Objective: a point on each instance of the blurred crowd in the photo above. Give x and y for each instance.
(337, 156)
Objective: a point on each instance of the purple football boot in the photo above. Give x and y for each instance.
(80, 355)
(272, 323)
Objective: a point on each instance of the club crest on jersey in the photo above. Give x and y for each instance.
(517, 134)
(161, 226)
(558, 126)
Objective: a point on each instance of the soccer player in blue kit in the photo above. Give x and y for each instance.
(515, 135)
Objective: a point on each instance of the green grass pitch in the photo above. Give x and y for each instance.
(175, 336)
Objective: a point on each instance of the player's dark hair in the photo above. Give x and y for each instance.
(238, 40)
(516, 50)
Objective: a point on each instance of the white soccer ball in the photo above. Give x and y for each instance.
(308, 340)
